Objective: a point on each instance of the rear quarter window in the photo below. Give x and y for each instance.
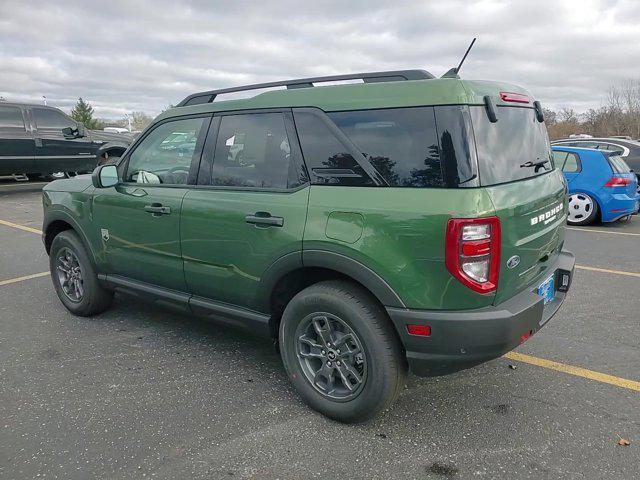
(419, 147)
(401, 144)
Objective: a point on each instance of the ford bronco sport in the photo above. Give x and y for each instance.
(401, 223)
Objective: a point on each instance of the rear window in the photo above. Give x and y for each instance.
(618, 164)
(516, 147)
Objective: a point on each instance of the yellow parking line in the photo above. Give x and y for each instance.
(21, 227)
(21, 279)
(595, 230)
(577, 371)
(606, 270)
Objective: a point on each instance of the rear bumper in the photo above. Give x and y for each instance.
(462, 339)
(618, 206)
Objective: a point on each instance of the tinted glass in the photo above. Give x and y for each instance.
(402, 144)
(328, 160)
(165, 155)
(611, 147)
(455, 139)
(514, 148)
(571, 164)
(11, 117)
(46, 118)
(253, 150)
(618, 164)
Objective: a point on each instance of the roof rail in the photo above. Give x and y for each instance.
(371, 77)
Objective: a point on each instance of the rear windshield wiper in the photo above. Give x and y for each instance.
(537, 165)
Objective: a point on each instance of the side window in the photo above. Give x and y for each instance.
(47, 118)
(253, 150)
(328, 160)
(11, 117)
(402, 143)
(165, 155)
(559, 158)
(571, 164)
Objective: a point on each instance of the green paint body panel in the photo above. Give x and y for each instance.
(141, 246)
(403, 238)
(539, 245)
(224, 256)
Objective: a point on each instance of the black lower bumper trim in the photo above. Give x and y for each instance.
(464, 338)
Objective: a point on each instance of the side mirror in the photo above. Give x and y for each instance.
(69, 132)
(77, 132)
(105, 176)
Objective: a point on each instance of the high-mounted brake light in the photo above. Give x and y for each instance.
(618, 182)
(472, 252)
(513, 97)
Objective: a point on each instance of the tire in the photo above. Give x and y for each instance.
(333, 314)
(583, 209)
(68, 258)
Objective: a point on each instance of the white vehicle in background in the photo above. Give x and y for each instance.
(115, 130)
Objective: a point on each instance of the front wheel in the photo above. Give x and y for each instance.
(341, 352)
(74, 277)
(582, 209)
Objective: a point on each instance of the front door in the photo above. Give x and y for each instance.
(56, 152)
(16, 142)
(139, 219)
(251, 210)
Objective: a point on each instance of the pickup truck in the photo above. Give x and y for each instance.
(39, 140)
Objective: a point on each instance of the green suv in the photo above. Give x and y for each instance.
(400, 223)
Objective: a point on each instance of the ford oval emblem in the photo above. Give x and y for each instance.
(513, 262)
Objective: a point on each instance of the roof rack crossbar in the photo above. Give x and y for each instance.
(371, 77)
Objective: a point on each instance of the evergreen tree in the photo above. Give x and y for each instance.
(83, 113)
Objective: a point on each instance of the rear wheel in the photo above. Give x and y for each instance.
(340, 351)
(74, 277)
(583, 209)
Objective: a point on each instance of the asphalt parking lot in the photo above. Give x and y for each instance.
(139, 392)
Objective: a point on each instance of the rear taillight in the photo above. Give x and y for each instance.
(513, 97)
(472, 252)
(618, 182)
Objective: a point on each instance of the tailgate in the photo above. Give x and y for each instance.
(532, 214)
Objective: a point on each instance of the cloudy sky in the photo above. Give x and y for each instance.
(144, 55)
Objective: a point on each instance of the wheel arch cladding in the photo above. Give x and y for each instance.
(58, 222)
(289, 275)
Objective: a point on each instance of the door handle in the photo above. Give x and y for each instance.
(157, 209)
(264, 218)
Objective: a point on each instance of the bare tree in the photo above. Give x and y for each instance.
(620, 115)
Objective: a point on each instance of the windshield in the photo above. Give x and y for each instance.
(516, 147)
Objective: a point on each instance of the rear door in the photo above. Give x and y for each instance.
(56, 152)
(569, 163)
(248, 210)
(17, 146)
(529, 196)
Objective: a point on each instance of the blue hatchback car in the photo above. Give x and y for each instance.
(601, 185)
